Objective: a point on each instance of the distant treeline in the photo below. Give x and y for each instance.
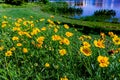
(19, 2)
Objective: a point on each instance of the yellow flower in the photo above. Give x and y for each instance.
(25, 50)
(39, 45)
(116, 40)
(19, 20)
(17, 24)
(8, 53)
(43, 28)
(5, 17)
(40, 39)
(16, 29)
(66, 26)
(102, 35)
(42, 19)
(4, 23)
(55, 30)
(35, 31)
(99, 43)
(86, 50)
(81, 38)
(64, 78)
(118, 49)
(1, 48)
(69, 34)
(111, 34)
(103, 61)
(62, 52)
(27, 34)
(47, 65)
(52, 16)
(65, 41)
(19, 44)
(31, 16)
(86, 44)
(15, 38)
(20, 33)
(56, 37)
(50, 21)
(12, 49)
(25, 23)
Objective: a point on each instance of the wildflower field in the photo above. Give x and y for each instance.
(41, 49)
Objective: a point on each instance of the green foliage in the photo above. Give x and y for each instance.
(14, 2)
(73, 65)
(109, 13)
(61, 8)
(44, 1)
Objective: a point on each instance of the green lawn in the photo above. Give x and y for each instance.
(30, 10)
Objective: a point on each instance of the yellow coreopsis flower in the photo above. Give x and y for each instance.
(52, 16)
(4, 23)
(56, 37)
(64, 41)
(69, 34)
(111, 34)
(15, 38)
(102, 35)
(40, 39)
(62, 52)
(31, 16)
(86, 44)
(64, 78)
(66, 26)
(27, 34)
(12, 49)
(17, 24)
(55, 30)
(42, 19)
(99, 43)
(19, 44)
(25, 50)
(103, 61)
(43, 28)
(86, 50)
(1, 48)
(19, 20)
(8, 53)
(47, 65)
(16, 29)
(25, 23)
(116, 40)
(50, 21)
(35, 31)
(5, 17)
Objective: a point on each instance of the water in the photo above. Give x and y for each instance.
(89, 6)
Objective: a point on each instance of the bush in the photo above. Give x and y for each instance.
(45, 1)
(14, 2)
(105, 13)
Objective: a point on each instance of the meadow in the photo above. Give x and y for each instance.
(41, 47)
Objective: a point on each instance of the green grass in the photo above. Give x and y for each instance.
(35, 10)
(43, 58)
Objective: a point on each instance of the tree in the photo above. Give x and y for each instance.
(14, 2)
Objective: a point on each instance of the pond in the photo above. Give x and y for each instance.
(90, 6)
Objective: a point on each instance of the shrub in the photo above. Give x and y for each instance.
(14, 2)
(105, 13)
(44, 1)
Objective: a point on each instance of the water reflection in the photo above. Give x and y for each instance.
(89, 6)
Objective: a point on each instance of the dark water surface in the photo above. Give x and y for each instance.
(89, 6)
